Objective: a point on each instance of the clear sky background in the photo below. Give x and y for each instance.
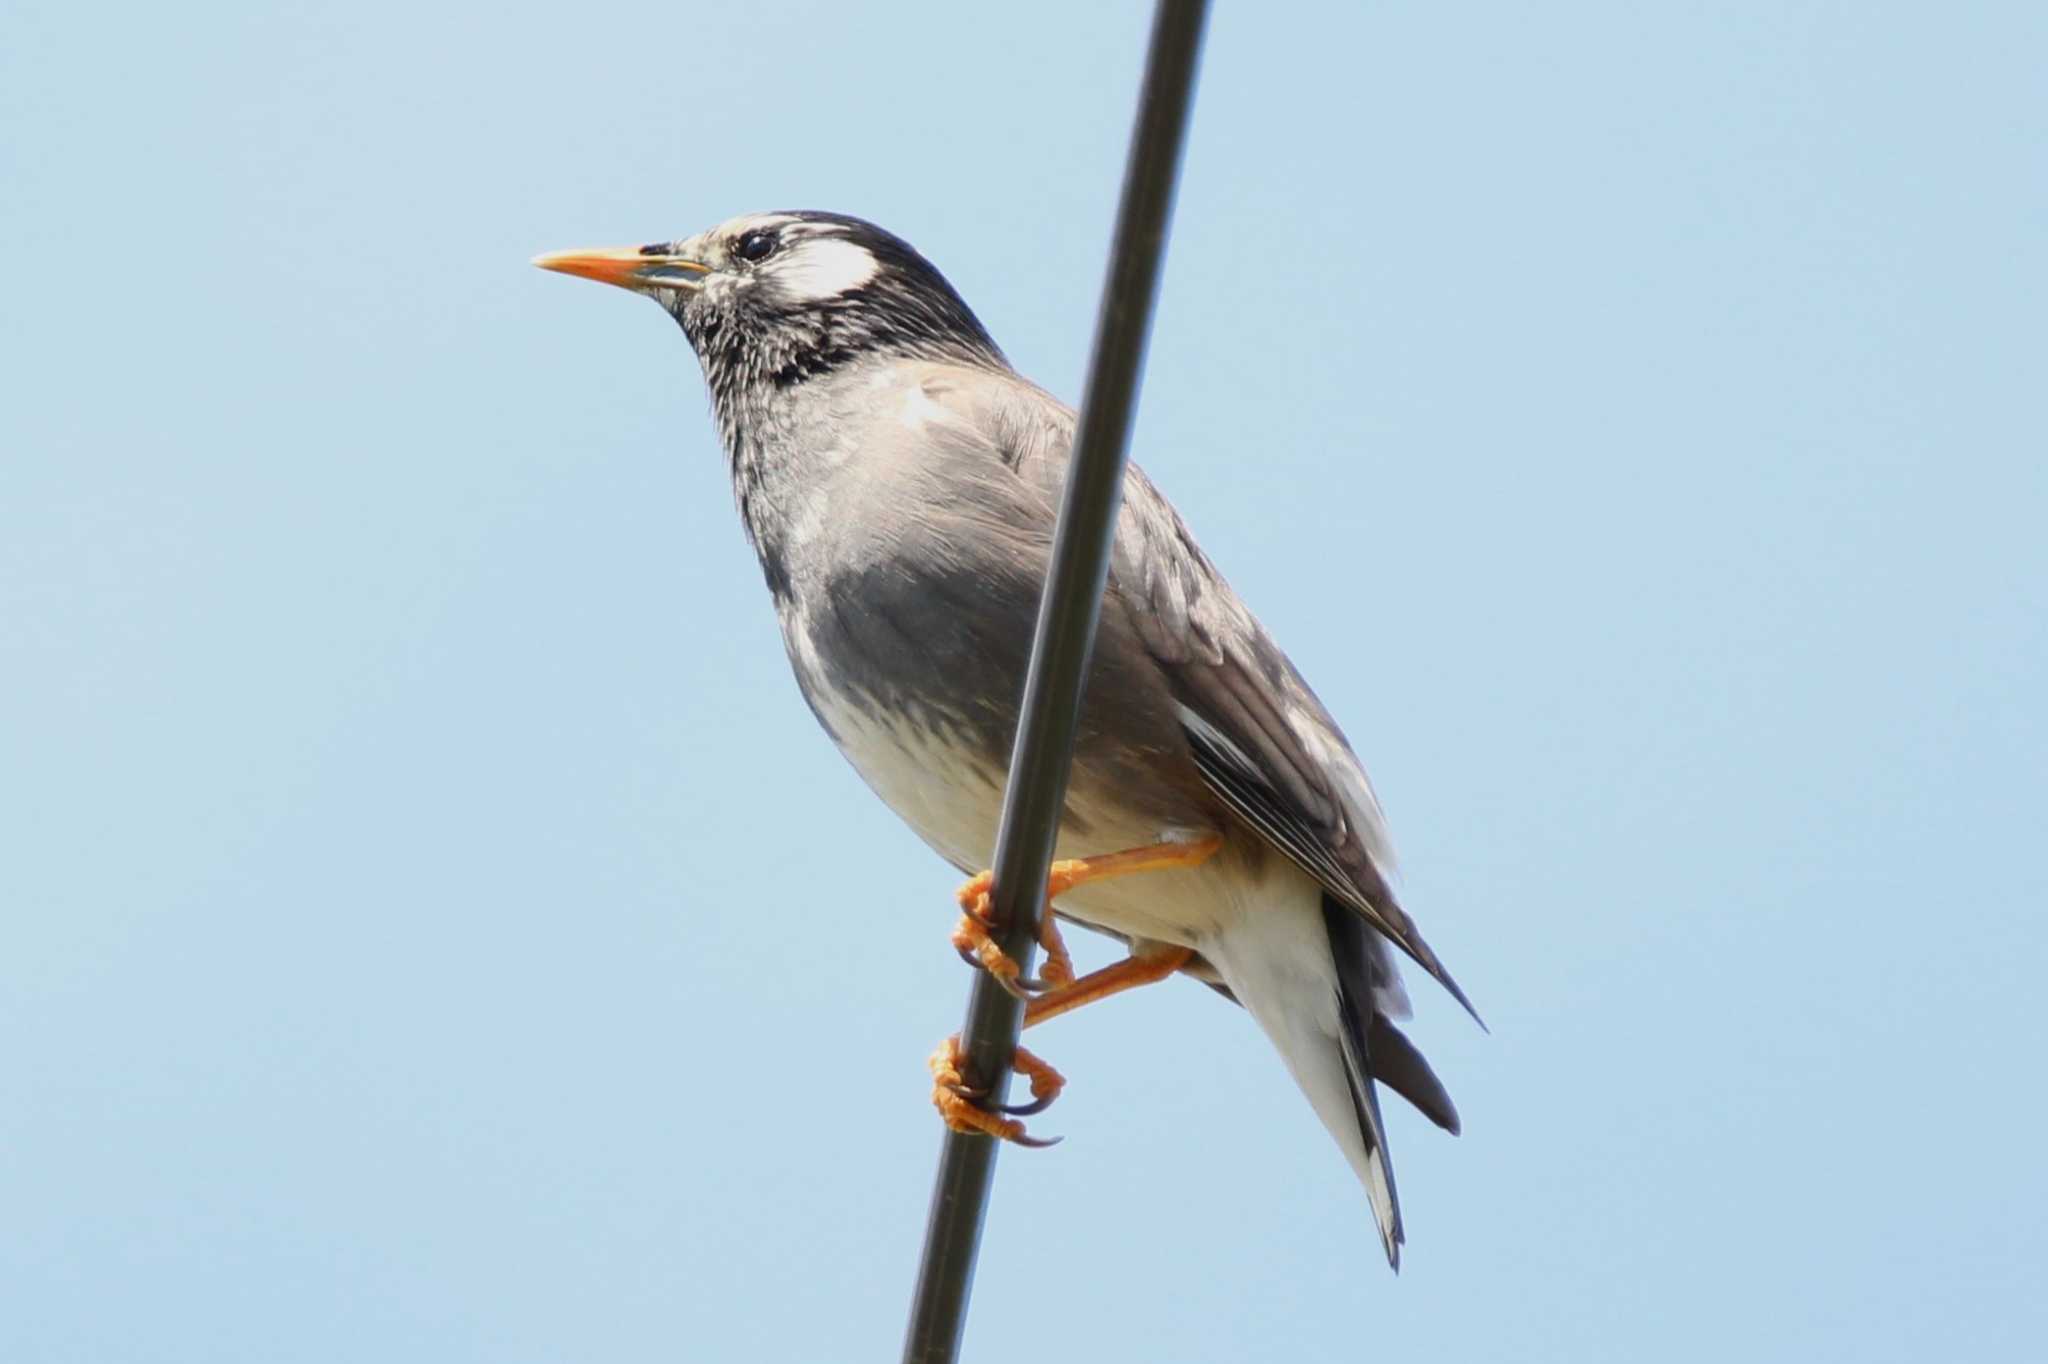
(431, 927)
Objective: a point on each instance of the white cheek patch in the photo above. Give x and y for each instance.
(825, 267)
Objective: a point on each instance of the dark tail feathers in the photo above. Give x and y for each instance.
(1375, 1050)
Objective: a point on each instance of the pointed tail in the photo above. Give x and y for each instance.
(1340, 1043)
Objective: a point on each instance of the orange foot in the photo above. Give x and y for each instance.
(974, 940)
(959, 1103)
(1056, 991)
(974, 937)
(962, 1104)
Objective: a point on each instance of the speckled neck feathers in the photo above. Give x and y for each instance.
(765, 350)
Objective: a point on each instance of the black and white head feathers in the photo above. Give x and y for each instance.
(793, 296)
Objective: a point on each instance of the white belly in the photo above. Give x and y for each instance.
(946, 792)
(945, 787)
(951, 797)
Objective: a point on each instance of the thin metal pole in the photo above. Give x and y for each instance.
(1059, 658)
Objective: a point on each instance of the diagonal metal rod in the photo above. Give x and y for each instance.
(1059, 659)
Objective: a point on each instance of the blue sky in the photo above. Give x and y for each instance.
(431, 927)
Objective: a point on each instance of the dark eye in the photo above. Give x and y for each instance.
(757, 245)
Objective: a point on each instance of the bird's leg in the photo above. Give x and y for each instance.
(1114, 979)
(974, 937)
(959, 1103)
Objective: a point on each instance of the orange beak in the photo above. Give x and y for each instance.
(639, 268)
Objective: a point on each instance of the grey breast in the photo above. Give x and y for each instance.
(920, 550)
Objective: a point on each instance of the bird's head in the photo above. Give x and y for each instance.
(777, 299)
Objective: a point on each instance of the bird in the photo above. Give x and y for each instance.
(899, 482)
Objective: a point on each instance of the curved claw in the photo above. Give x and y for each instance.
(1023, 1110)
(1026, 988)
(1017, 987)
(1011, 1131)
(964, 1106)
(977, 946)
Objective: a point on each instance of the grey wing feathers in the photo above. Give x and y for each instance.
(1263, 743)
(1312, 841)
